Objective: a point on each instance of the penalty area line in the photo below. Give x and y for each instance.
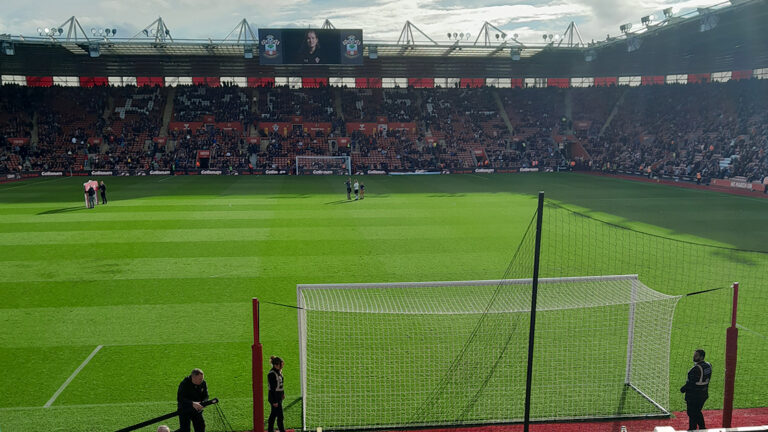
(72, 377)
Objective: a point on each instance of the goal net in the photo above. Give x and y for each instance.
(447, 353)
(324, 165)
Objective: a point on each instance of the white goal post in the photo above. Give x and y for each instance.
(324, 165)
(449, 353)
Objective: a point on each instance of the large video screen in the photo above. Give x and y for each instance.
(310, 46)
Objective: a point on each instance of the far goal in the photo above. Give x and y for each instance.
(324, 165)
(452, 353)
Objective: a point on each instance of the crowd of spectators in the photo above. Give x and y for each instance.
(711, 130)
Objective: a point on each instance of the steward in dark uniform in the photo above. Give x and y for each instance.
(276, 394)
(192, 390)
(348, 183)
(696, 390)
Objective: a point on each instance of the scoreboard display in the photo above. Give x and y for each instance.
(310, 46)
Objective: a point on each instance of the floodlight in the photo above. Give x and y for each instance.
(39, 30)
(167, 32)
(47, 30)
(455, 35)
(467, 35)
(146, 32)
(449, 35)
(497, 36)
(93, 31)
(514, 36)
(668, 12)
(461, 35)
(646, 20)
(625, 28)
(544, 37)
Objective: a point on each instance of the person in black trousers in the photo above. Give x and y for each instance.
(192, 391)
(696, 390)
(103, 190)
(91, 197)
(348, 183)
(276, 394)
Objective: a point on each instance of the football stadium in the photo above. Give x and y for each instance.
(309, 229)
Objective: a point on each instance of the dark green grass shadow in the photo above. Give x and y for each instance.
(62, 210)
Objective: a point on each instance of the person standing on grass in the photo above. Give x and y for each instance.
(103, 191)
(357, 190)
(362, 191)
(192, 391)
(348, 183)
(276, 394)
(696, 390)
(91, 197)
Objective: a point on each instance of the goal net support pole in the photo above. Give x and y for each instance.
(257, 370)
(532, 327)
(731, 351)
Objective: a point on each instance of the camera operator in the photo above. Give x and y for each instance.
(192, 391)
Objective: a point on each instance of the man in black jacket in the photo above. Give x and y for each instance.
(696, 390)
(192, 391)
(103, 191)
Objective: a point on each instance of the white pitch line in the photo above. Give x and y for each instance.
(751, 331)
(35, 183)
(71, 377)
(477, 176)
(167, 178)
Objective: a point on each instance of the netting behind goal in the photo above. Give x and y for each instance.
(323, 165)
(435, 353)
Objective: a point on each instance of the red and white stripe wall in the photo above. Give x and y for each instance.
(299, 82)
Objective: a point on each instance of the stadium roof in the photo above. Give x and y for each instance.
(734, 39)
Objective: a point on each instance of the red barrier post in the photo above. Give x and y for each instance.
(257, 370)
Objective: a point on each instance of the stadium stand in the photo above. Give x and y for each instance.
(660, 130)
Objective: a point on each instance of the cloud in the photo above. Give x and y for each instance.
(381, 20)
(380, 23)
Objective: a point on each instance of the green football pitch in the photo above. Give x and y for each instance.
(160, 280)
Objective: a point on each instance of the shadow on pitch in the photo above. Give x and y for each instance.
(341, 201)
(62, 210)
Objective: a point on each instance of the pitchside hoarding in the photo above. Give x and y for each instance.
(311, 46)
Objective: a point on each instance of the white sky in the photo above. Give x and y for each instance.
(379, 19)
